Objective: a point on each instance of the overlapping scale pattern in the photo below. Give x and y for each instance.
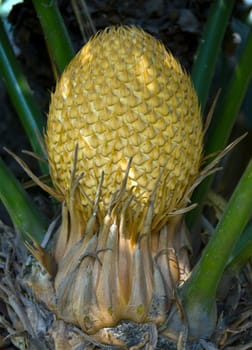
(124, 96)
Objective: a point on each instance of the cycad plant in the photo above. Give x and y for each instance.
(126, 145)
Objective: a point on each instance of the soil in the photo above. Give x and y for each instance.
(179, 25)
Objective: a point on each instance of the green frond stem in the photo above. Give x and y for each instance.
(21, 95)
(241, 253)
(198, 293)
(227, 110)
(224, 119)
(56, 35)
(209, 48)
(24, 215)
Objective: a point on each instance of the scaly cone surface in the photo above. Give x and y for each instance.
(124, 96)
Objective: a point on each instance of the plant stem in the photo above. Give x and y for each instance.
(199, 291)
(224, 119)
(229, 107)
(56, 36)
(241, 253)
(25, 217)
(21, 95)
(208, 51)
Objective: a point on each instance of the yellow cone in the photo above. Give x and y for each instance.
(124, 140)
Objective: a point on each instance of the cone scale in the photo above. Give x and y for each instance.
(124, 141)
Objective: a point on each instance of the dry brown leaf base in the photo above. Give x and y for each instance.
(111, 267)
(28, 325)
